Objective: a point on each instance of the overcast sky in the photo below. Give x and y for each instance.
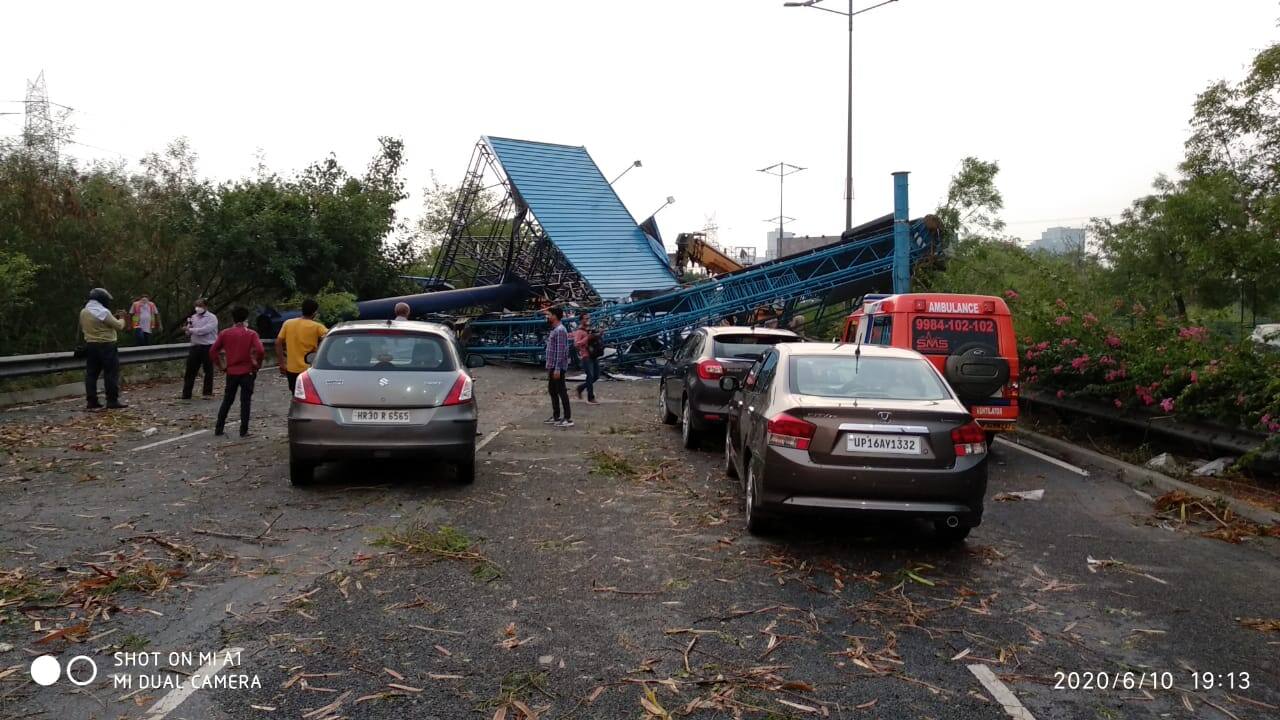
(1082, 102)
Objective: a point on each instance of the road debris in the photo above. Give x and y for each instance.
(1019, 495)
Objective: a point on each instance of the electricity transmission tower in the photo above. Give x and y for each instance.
(44, 130)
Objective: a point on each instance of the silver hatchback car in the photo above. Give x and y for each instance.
(384, 389)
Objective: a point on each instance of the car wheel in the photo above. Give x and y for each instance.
(950, 535)
(467, 470)
(687, 433)
(730, 470)
(301, 472)
(668, 417)
(757, 523)
(991, 439)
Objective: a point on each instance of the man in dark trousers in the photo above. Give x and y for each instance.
(202, 328)
(238, 352)
(101, 355)
(557, 354)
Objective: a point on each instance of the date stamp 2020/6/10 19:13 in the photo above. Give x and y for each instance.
(1196, 680)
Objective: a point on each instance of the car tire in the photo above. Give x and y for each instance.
(950, 535)
(757, 522)
(991, 439)
(688, 435)
(301, 472)
(467, 470)
(730, 469)
(668, 417)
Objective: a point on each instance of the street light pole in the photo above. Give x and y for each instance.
(848, 171)
(782, 170)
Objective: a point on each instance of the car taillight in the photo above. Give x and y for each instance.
(791, 432)
(969, 440)
(710, 370)
(304, 391)
(460, 393)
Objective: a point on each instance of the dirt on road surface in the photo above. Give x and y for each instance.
(599, 571)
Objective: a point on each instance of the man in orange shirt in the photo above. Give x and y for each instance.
(297, 338)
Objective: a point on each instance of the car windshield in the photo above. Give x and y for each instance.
(384, 351)
(746, 346)
(880, 378)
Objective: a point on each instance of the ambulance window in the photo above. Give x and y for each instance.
(881, 330)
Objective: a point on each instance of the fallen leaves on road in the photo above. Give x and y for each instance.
(1227, 526)
(1263, 626)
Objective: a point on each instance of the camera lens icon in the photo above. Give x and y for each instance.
(45, 670)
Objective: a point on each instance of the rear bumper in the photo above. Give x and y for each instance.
(792, 482)
(319, 433)
(708, 404)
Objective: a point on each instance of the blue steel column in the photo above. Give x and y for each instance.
(901, 235)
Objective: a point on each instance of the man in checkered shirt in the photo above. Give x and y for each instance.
(557, 354)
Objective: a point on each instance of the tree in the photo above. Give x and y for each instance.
(973, 204)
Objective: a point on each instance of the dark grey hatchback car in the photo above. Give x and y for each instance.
(690, 390)
(822, 427)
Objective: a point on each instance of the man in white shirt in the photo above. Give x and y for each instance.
(202, 328)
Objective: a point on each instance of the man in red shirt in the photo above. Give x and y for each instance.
(238, 351)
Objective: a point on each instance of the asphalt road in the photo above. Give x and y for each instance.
(595, 572)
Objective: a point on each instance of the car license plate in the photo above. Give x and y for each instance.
(381, 416)
(884, 444)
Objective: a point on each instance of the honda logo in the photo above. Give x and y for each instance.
(884, 416)
(383, 382)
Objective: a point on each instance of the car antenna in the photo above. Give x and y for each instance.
(857, 352)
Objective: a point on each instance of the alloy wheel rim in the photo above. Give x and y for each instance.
(751, 491)
(728, 450)
(684, 421)
(662, 400)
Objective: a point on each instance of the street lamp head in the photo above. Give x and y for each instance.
(636, 164)
(806, 3)
(670, 199)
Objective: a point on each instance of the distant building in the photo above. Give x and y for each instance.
(771, 244)
(1059, 240)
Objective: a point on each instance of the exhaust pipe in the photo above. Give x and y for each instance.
(953, 521)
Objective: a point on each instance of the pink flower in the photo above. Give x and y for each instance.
(1062, 320)
(1011, 294)
(1266, 419)
(1032, 370)
(1041, 346)
(1069, 342)
(1148, 400)
(1106, 361)
(1090, 320)
(1195, 377)
(1060, 303)
(1114, 375)
(1167, 405)
(1112, 340)
(1274, 427)
(1080, 363)
(1057, 369)
(1061, 394)
(1117, 403)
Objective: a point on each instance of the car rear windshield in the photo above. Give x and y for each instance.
(384, 351)
(879, 378)
(942, 335)
(746, 346)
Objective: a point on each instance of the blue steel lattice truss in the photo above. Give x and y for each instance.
(639, 330)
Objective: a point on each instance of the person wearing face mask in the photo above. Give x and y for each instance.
(202, 328)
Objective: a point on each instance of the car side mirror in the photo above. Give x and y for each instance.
(310, 357)
(474, 360)
(729, 383)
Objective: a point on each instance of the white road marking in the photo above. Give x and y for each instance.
(172, 439)
(489, 437)
(179, 695)
(1000, 692)
(1042, 456)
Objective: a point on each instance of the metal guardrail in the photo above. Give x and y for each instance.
(14, 366)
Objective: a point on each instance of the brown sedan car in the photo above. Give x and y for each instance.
(822, 427)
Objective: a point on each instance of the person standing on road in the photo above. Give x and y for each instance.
(238, 352)
(298, 337)
(557, 354)
(402, 311)
(144, 318)
(101, 354)
(585, 341)
(202, 328)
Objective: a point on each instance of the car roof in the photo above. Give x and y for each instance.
(847, 349)
(714, 330)
(356, 326)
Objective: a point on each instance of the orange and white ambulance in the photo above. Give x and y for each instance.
(969, 338)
